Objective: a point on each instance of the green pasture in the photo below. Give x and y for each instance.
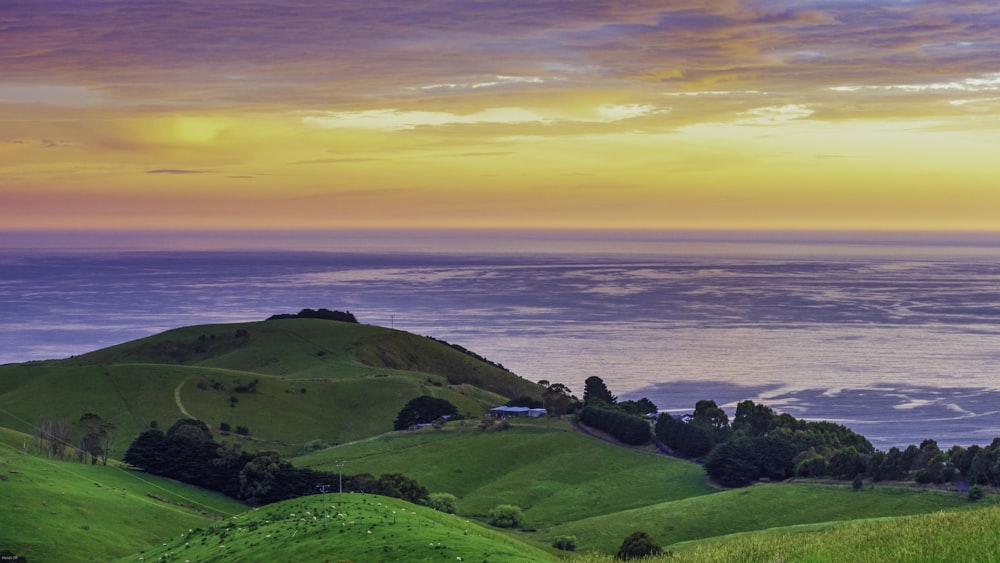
(939, 537)
(347, 527)
(66, 511)
(554, 473)
(758, 507)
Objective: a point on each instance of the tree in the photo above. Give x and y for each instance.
(752, 418)
(626, 427)
(505, 516)
(190, 429)
(145, 451)
(442, 502)
(976, 493)
(710, 414)
(422, 410)
(564, 543)
(106, 433)
(91, 440)
(397, 485)
(594, 389)
(637, 545)
(557, 399)
(687, 440)
(257, 476)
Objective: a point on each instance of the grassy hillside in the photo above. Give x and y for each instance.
(62, 511)
(971, 535)
(312, 379)
(553, 473)
(359, 528)
(756, 508)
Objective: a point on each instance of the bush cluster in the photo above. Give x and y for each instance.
(626, 427)
(188, 453)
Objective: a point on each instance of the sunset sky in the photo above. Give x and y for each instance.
(835, 114)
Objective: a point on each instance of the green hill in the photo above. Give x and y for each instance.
(554, 473)
(63, 511)
(290, 382)
(359, 527)
(327, 391)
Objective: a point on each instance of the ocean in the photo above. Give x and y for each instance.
(895, 336)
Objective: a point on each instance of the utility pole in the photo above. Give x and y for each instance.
(340, 467)
(322, 489)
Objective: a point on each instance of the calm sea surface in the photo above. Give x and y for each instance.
(897, 339)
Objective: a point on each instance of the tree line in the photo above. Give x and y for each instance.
(326, 314)
(188, 453)
(762, 444)
(759, 443)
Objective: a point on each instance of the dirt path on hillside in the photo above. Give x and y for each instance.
(177, 399)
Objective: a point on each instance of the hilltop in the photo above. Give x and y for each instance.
(287, 382)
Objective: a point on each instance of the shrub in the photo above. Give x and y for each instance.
(564, 543)
(505, 516)
(638, 545)
(422, 410)
(976, 493)
(442, 502)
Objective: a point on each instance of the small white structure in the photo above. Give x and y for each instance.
(516, 412)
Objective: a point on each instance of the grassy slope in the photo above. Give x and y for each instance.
(360, 528)
(552, 472)
(133, 383)
(968, 535)
(63, 511)
(756, 508)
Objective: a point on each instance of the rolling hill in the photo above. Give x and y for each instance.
(323, 392)
(290, 382)
(64, 511)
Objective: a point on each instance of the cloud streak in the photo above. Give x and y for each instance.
(314, 53)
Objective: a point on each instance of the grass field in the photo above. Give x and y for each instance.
(758, 507)
(945, 537)
(338, 383)
(64, 511)
(554, 473)
(358, 528)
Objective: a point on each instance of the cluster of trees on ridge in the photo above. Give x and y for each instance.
(326, 314)
(188, 453)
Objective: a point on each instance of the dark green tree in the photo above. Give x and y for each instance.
(423, 410)
(638, 545)
(258, 475)
(557, 399)
(594, 389)
(752, 418)
(95, 436)
(710, 414)
(397, 485)
(146, 450)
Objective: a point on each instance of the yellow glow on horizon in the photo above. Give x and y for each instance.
(714, 116)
